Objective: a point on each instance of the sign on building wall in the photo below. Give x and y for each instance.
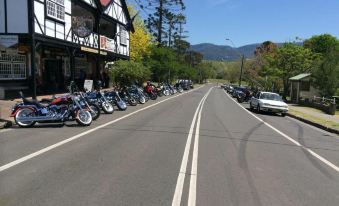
(82, 25)
(7, 41)
(107, 44)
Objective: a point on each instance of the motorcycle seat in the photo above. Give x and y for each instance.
(33, 102)
(47, 100)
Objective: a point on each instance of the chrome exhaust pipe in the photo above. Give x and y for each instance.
(40, 118)
(56, 117)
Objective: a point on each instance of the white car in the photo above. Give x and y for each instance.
(268, 102)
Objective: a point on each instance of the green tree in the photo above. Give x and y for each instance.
(207, 71)
(129, 72)
(290, 60)
(326, 75)
(163, 63)
(157, 21)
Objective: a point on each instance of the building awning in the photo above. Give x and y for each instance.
(300, 77)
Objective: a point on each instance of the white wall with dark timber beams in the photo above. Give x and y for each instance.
(53, 18)
(123, 41)
(91, 2)
(116, 12)
(48, 22)
(14, 16)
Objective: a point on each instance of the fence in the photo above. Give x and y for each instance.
(326, 105)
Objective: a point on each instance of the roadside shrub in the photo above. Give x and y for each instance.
(129, 72)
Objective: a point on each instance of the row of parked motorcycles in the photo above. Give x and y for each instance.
(86, 106)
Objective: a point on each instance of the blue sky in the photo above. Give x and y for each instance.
(255, 21)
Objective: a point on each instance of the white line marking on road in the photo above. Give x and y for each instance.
(192, 195)
(37, 153)
(182, 173)
(328, 163)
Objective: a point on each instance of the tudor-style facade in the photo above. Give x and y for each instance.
(64, 36)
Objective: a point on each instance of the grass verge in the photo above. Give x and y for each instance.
(326, 123)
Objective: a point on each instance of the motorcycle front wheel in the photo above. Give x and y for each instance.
(142, 100)
(132, 101)
(154, 96)
(95, 111)
(107, 108)
(83, 118)
(24, 112)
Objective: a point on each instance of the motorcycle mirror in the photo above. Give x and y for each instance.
(21, 94)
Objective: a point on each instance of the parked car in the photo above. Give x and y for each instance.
(268, 102)
(184, 85)
(230, 89)
(224, 86)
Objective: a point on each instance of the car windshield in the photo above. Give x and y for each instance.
(270, 96)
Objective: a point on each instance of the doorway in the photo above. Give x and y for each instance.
(53, 76)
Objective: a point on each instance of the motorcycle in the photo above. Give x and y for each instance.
(28, 112)
(136, 94)
(94, 108)
(127, 97)
(172, 89)
(179, 88)
(166, 90)
(98, 98)
(151, 92)
(114, 98)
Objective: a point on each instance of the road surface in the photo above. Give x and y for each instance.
(198, 148)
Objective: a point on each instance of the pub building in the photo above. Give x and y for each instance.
(69, 40)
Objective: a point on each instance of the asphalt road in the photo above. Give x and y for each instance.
(199, 148)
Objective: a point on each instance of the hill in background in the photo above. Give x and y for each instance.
(221, 52)
(227, 53)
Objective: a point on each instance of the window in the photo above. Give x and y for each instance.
(56, 9)
(305, 86)
(12, 66)
(123, 36)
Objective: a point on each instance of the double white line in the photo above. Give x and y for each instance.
(182, 173)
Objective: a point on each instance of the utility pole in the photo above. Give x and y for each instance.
(242, 61)
(33, 49)
(241, 69)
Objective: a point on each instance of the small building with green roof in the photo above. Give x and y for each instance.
(301, 87)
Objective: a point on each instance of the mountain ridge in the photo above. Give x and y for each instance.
(228, 53)
(224, 52)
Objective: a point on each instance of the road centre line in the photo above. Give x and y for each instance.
(44, 150)
(319, 157)
(182, 173)
(194, 170)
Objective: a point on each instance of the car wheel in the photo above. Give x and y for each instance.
(283, 114)
(258, 108)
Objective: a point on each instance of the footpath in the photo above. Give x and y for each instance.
(315, 117)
